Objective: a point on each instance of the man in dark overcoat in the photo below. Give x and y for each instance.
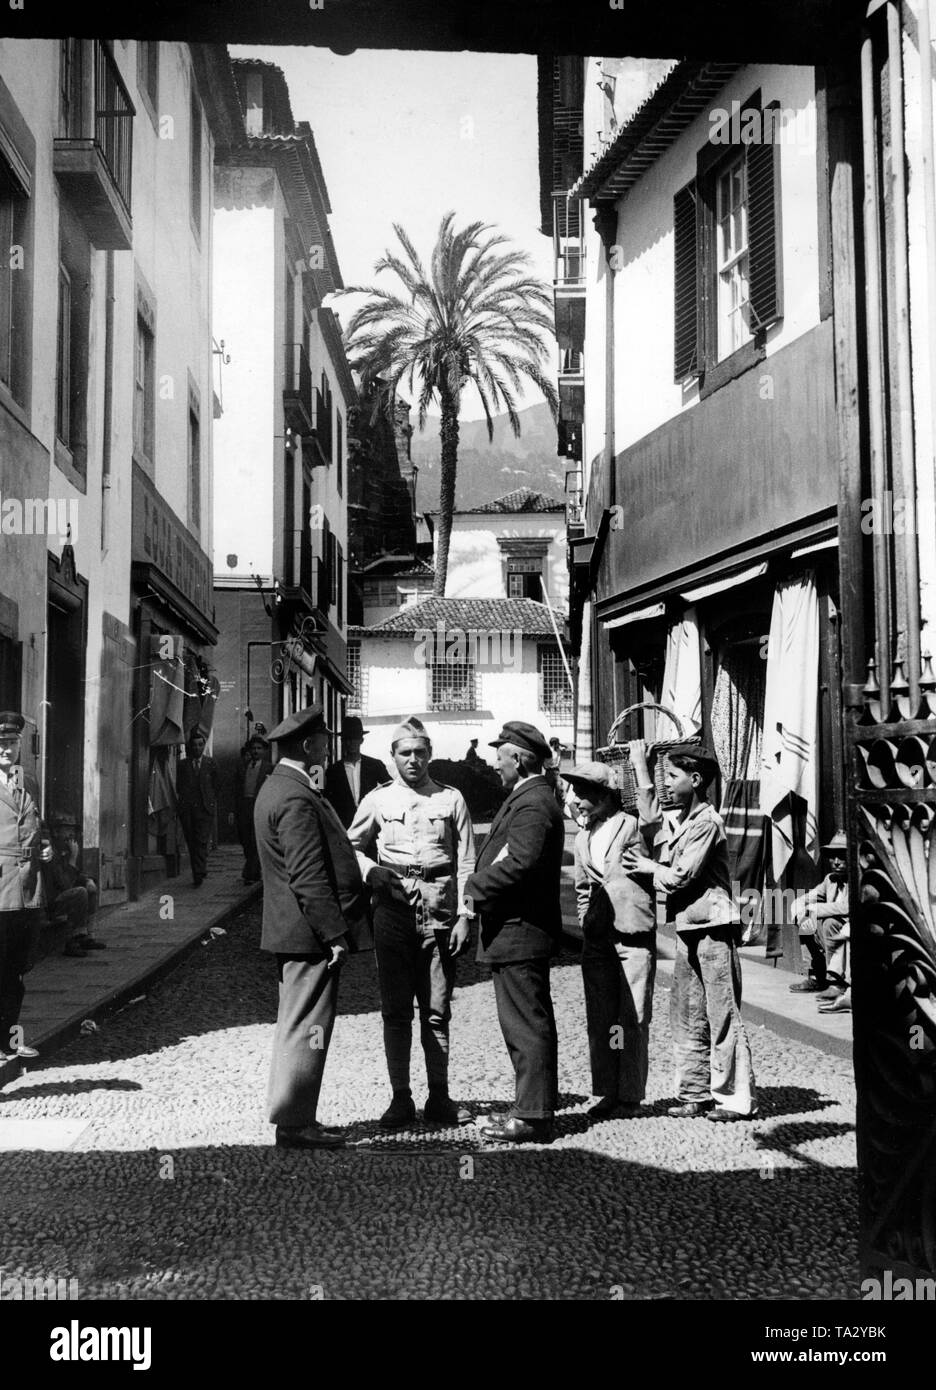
(349, 780)
(515, 891)
(197, 800)
(313, 915)
(22, 848)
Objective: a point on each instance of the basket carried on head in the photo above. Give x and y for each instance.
(617, 756)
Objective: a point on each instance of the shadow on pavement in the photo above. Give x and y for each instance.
(545, 1223)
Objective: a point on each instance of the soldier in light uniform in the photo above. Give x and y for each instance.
(415, 846)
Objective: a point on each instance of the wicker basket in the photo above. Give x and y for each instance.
(617, 756)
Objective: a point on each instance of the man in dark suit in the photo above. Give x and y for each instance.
(197, 800)
(347, 782)
(313, 915)
(250, 776)
(515, 891)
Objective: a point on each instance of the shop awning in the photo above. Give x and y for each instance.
(718, 586)
(639, 615)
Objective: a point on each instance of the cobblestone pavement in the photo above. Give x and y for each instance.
(172, 1188)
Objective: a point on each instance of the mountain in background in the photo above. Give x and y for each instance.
(486, 471)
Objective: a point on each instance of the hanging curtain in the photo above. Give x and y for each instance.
(584, 718)
(737, 729)
(682, 677)
(167, 695)
(789, 764)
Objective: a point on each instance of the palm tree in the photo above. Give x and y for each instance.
(478, 318)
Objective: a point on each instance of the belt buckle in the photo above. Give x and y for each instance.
(417, 871)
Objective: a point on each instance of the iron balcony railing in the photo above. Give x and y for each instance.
(297, 392)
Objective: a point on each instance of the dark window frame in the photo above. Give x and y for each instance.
(144, 392)
(698, 359)
(148, 77)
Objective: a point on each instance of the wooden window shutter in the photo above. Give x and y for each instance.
(687, 357)
(765, 281)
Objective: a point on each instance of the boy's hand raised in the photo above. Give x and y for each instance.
(637, 750)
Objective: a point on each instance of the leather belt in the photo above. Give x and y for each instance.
(418, 871)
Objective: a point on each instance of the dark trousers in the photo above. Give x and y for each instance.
(248, 838)
(19, 932)
(618, 972)
(196, 827)
(308, 1002)
(78, 904)
(414, 962)
(525, 1014)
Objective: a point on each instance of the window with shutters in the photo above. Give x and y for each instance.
(728, 279)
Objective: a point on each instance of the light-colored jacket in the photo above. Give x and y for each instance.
(20, 845)
(628, 899)
(399, 827)
(692, 867)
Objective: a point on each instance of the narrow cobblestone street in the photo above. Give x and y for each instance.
(172, 1189)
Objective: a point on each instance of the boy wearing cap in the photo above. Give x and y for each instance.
(515, 887)
(22, 849)
(714, 1073)
(415, 847)
(617, 913)
(822, 915)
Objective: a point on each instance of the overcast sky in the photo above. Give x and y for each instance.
(405, 137)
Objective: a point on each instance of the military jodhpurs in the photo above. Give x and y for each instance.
(414, 962)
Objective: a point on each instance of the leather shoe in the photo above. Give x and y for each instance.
(689, 1109)
(442, 1110)
(309, 1137)
(517, 1131)
(399, 1113)
(22, 1053)
(832, 992)
(723, 1117)
(841, 1005)
(91, 943)
(608, 1108)
(808, 986)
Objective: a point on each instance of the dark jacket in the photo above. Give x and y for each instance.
(515, 885)
(312, 886)
(197, 793)
(338, 791)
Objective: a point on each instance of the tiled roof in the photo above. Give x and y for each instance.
(475, 614)
(523, 499)
(397, 566)
(683, 94)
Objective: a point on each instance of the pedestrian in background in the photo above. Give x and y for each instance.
(714, 1073)
(415, 846)
(515, 890)
(617, 914)
(197, 801)
(349, 780)
(23, 847)
(248, 779)
(313, 915)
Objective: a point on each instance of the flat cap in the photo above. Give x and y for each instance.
(523, 736)
(302, 721)
(690, 749)
(11, 723)
(592, 774)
